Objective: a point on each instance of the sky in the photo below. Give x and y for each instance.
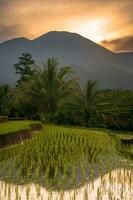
(107, 22)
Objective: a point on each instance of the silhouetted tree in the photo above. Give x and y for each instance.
(25, 67)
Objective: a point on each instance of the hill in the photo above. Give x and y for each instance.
(90, 60)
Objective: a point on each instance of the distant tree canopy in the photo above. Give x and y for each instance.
(87, 101)
(25, 67)
(83, 105)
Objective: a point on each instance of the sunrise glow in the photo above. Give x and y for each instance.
(93, 29)
(96, 20)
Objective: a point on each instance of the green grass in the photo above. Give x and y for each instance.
(127, 148)
(63, 158)
(15, 126)
(60, 157)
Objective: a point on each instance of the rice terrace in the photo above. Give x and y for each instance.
(61, 140)
(66, 100)
(65, 163)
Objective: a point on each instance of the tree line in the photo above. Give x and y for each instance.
(53, 94)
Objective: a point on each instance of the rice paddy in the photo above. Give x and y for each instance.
(10, 127)
(61, 159)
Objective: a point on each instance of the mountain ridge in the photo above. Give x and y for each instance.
(90, 60)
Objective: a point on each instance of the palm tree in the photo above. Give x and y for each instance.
(86, 101)
(49, 88)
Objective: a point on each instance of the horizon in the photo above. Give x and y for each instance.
(32, 39)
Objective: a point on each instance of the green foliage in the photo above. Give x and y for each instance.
(25, 67)
(59, 157)
(85, 102)
(13, 126)
(13, 132)
(3, 119)
(53, 95)
(68, 116)
(116, 108)
(47, 90)
(5, 99)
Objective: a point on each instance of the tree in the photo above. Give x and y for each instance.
(48, 89)
(86, 101)
(25, 67)
(4, 99)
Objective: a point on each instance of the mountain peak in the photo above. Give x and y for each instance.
(15, 40)
(59, 33)
(65, 37)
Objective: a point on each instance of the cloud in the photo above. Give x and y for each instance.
(120, 44)
(13, 31)
(8, 31)
(31, 18)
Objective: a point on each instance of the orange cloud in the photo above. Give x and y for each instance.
(98, 19)
(119, 44)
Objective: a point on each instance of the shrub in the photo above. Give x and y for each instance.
(13, 132)
(36, 126)
(3, 119)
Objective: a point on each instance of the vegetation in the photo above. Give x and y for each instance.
(14, 132)
(58, 157)
(85, 102)
(13, 126)
(25, 67)
(61, 157)
(3, 119)
(48, 89)
(53, 94)
(117, 106)
(5, 99)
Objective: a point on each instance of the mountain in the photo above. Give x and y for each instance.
(90, 60)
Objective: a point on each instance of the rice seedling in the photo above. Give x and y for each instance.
(60, 159)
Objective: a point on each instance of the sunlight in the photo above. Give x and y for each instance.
(94, 29)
